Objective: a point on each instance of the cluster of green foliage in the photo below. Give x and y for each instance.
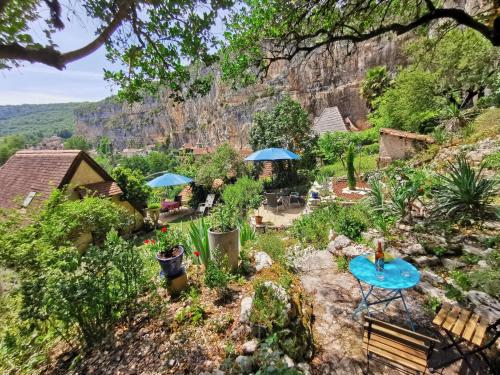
(224, 218)
(463, 193)
(268, 309)
(133, 185)
(224, 163)
(77, 142)
(41, 120)
(375, 83)
(445, 74)
(492, 161)
(314, 228)
(363, 164)
(333, 146)
(9, 145)
(287, 125)
(78, 294)
(153, 162)
(193, 313)
(244, 194)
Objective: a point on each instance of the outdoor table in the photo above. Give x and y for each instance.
(168, 206)
(393, 281)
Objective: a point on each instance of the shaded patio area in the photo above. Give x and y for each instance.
(281, 217)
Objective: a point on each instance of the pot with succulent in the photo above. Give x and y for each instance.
(168, 247)
(224, 234)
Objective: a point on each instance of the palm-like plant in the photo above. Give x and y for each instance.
(464, 192)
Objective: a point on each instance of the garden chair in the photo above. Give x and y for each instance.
(209, 203)
(399, 348)
(285, 201)
(468, 328)
(295, 198)
(272, 201)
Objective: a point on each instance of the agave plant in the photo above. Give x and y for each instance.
(463, 193)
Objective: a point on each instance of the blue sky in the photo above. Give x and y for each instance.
(81, 81)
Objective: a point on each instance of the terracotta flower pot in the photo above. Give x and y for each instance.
(258, 219)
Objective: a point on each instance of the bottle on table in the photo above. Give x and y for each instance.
(379, 258)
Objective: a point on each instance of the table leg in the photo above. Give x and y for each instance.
(406, 309)
(363, 304)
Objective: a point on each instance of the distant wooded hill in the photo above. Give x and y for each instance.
(38, 119)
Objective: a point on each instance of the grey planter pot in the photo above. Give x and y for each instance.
(228, 244)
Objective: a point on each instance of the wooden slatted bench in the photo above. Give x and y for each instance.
(397, 347)
(468, 327)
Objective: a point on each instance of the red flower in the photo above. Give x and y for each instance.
(197, 253)
(153, 242)
(163, 229)
(146, 242)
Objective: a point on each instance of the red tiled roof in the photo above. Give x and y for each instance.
(102, 189)
(39, 171)
(408, 135)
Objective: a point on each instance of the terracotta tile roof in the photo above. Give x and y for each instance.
(408, 135)
(38, 171)
(102, 189)
(330, 120)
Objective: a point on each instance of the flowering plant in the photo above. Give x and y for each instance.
(166, 239)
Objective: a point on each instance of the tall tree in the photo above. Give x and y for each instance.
(288, 28)
(153, 41)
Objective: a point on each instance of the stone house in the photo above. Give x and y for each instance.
(397, 144)
(29, 176)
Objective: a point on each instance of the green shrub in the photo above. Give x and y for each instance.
(431, 304)
(273, 245)
(314, 228)
(132, 184)
(351, 177)
(351, 222)
(492, 161)
(268, 309)
(223, 218)
(342, 263)
(216, 277)
(463, 193)
(247, 233)
(244, 194)
(488, 280)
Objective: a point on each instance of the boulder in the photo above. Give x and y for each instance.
(338, 243)
(483, 264)
(243, 364)
(246, 308)
(473, 249)
(250, 346)
(431, 277)
(413, 249)
(304, 367)
(485, 305)
(354, 250)
(452, 264)
(289, 362)
(423, 260)
(262, 261)
(431, 291)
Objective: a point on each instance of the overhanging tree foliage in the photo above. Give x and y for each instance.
(153, 41)
(288, 28)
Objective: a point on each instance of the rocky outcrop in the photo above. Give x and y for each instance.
(325, 78)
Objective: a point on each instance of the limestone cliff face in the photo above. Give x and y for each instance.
(324, 79)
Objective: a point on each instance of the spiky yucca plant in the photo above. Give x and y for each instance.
(463, 193)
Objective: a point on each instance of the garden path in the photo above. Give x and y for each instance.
(338, 335)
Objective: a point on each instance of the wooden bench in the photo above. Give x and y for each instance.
(397, 347)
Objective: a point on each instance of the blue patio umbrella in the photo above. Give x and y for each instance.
(271, 154)
(169, 179)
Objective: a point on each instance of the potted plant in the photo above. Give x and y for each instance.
(168, 247)
(254, 202)
(153, 213)
(224, 235)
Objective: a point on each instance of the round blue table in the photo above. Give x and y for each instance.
(397, 276)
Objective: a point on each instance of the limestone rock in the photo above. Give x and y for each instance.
(423, 260)
(315, 261)
(432, 291)
(483, 264)
(262, 261)
(473, 249)
(304, 367)
(354, 250)
(338, 243)
(250, 346)
(243, 364)
(289, 362)
(246, 308)
(486, 305)
(431, 277)
(413, 250)
(452, 264)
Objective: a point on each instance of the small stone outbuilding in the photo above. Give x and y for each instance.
(397, 144)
